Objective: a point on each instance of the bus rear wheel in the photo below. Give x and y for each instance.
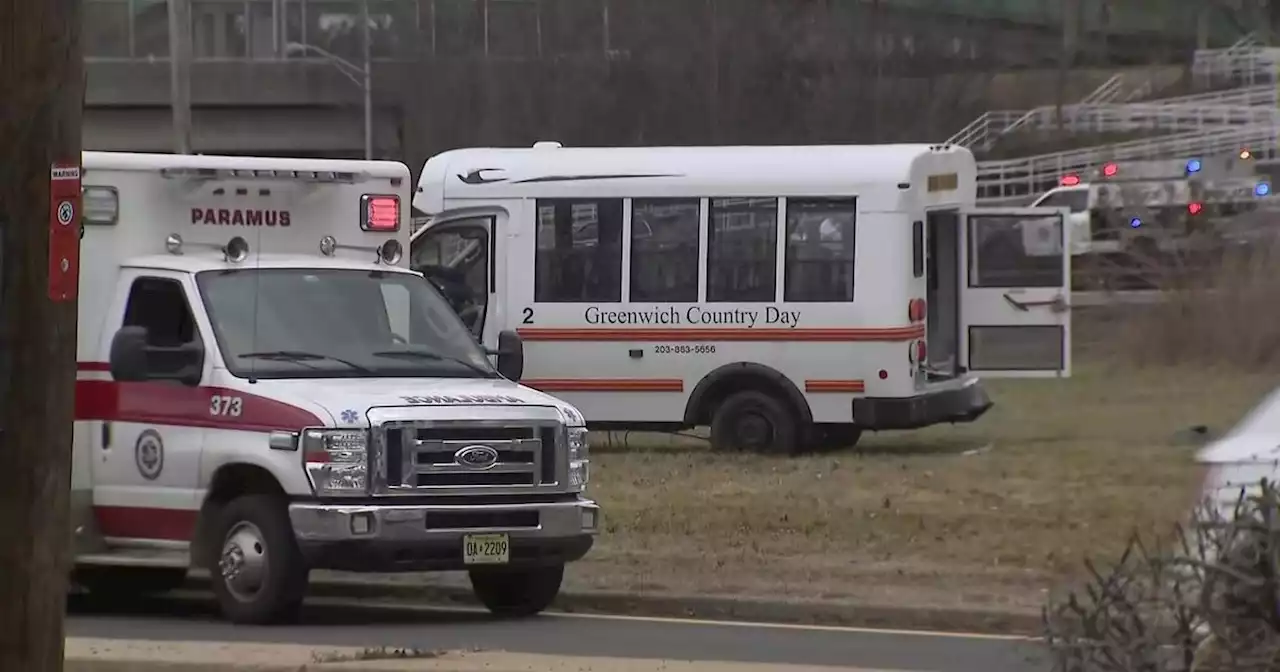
(755, 422)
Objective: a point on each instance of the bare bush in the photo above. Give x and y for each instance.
(1205, 600)
(1216, 310)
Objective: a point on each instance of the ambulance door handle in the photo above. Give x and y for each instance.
(106, 435)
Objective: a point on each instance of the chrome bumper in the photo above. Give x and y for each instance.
(393, 537)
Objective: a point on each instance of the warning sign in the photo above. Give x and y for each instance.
(64, 231)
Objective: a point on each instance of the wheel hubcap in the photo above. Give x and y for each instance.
(243, 561)
(754, 431)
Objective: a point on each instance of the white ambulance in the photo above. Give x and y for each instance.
(784, 296)
(265, 388)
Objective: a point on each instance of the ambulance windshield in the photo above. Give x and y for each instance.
(337, 323)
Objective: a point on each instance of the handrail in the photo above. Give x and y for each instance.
(1011, 178)
(986, 129)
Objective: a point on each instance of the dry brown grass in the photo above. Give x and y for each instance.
(988, 514)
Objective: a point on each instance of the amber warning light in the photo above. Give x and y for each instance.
(379, 213)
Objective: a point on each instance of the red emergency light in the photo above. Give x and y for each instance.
(1195, 208)
(1070, 180)
(379, 213)
(1110, 170)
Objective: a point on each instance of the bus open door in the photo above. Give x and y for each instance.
(1015, 292)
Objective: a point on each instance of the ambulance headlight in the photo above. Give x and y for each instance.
(236, 250)
(337, 461)
(579, 458)
(390, 252)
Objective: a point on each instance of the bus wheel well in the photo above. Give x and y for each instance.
(230, 482)
(716, 386)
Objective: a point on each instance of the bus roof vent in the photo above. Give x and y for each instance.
(547, 144)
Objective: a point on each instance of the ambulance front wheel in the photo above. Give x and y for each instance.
(753, 421)
(516, 593)
(257, 571)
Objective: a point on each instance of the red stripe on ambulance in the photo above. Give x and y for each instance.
(156, 403)
(129, 522)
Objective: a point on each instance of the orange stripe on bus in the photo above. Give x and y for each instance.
(606, 384)
(835, 386)
(888, 334)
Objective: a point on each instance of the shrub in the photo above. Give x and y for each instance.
(1206, 599)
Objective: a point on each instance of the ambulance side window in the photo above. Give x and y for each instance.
(160, 305)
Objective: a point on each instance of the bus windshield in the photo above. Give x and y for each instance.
(337, 323)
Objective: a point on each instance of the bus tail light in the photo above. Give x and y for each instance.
(916, 310)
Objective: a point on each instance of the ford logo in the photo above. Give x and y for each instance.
(476, 457)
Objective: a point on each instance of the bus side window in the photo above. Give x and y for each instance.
(821, 234)
(742, 245)
(578, 256)
(664, 249)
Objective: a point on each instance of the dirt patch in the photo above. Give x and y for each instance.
(984, 515)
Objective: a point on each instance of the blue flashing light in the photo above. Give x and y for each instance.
(1135, 223)
(1261, 189)
(1193, 166)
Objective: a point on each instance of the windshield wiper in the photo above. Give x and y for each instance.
(299, 356)
(435, 357)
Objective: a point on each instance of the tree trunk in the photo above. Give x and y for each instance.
(42, 79)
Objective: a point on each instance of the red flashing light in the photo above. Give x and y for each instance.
(1195, 208)
(379, 213)
(1110, 170)
(1070, 180)
(922, 352)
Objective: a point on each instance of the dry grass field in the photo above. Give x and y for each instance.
(990, 514)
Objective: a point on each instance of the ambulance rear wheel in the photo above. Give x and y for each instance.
(257, 571)
(126, 582)
(516, 593)
(755, 422)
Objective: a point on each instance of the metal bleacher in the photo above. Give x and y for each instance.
(1237, 108)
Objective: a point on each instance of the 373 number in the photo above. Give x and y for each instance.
(226, 405)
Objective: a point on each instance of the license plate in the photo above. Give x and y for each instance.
(486, 549)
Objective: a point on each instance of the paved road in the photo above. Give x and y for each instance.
(337, 624)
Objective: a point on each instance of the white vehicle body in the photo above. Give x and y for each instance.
(1117, 204)
(235, 410)
(1240, 459)
(836, 268)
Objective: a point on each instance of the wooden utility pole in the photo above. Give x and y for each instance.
(42, 79)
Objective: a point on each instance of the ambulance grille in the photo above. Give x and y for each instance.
(424, 457)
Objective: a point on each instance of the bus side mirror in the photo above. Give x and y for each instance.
(510, 355)
(129, 354)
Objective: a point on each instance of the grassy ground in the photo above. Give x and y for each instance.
(988, 514)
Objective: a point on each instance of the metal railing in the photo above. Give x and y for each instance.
(1127, 117)
(983, 132)
(1016, 180)
(1177, 113)
(1247, 62)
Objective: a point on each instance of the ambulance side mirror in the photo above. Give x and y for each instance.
(510, 355)
(129, 354)
(133, 360)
